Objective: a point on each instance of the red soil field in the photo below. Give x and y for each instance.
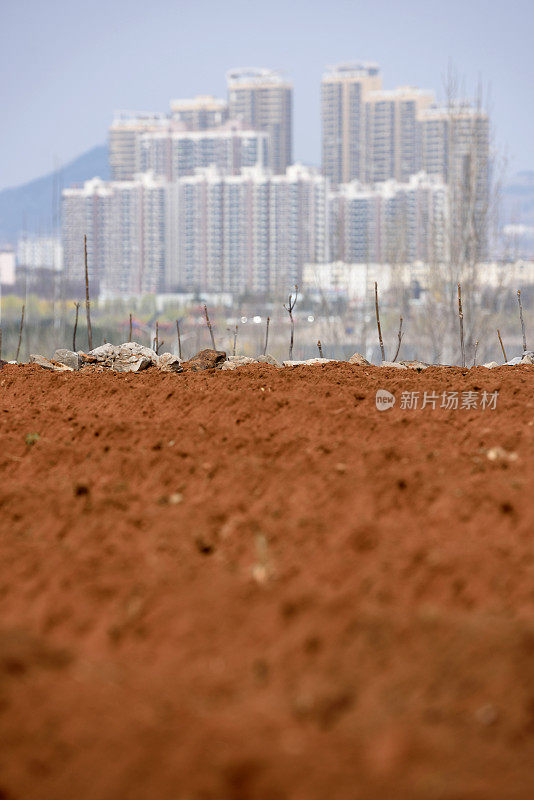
(254, 585)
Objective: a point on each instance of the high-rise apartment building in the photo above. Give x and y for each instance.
(200, 113)
(124, 140)
(40, 252)
(391, 222)
(454, 144)
(262, 99)
(126, 223)
(392, 138)
(209, 231)
(174, 154)
(248, 232)
(343, 92)
(299, 224)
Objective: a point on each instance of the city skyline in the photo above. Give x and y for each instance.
(413, 45)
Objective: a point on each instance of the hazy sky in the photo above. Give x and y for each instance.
(66, 65)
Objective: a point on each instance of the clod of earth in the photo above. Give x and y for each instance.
(206, 359)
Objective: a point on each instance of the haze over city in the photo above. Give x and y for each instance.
(87, 62)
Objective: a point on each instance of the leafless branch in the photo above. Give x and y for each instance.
(266, 336)
(399, 336)
(522, 320)
(320, 348)
(20, 332)
(502, 346)
(289, 308)
(208, 323)
(179, 340)
(77, 307)
(475, 354)
(378, 323)
(87, 300)
(461, 316)
(235, 341)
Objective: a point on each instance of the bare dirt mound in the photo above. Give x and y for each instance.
(253, 584)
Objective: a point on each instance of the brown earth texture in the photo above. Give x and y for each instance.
(254, 585)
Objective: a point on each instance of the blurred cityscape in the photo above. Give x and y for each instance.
(205, 204)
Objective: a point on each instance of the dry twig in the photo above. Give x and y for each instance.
(77, 307)
(179, 340)
(87, 300)
(266, 336)
(235, 341)
(289, 308)
(475, 354)
(461, 316)
(208, 323)
(502, 346)
(20, 333)
(378, 323)
(320, 348)
(522, 320)
(399, 336)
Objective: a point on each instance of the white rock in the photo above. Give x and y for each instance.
(168, 362)
(67, 357)
(394, 364)
(268, 359)
(133, 348)
(491, 364)
(127, 357)
(528, 358)
(130, 363)
(414, 364)
(45, 363)
(229, 365)
(310, 361)
(359, 360)
(240, 361)
(104, 352)
(513, 362)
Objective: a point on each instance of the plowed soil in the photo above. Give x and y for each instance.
(254, 585)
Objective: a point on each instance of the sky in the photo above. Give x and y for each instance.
(65, 66)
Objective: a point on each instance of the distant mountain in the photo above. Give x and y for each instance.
(31, 205)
